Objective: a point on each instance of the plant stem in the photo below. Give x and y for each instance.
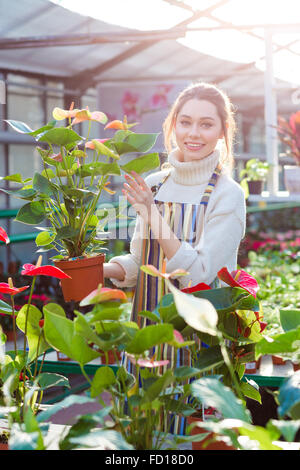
(14, 322)
(229, 366)
(25, 338)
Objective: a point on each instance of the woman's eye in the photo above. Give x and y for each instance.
(207, 125)
(184, 123)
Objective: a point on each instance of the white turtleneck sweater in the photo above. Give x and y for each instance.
(222, 227)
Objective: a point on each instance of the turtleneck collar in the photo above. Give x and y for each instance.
(195, 172)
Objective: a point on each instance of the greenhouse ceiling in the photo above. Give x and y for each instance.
(130, 41)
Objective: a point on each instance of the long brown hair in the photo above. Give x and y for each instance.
(213, 94)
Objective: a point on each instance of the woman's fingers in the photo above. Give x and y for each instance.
(140, 180)
(133, 183)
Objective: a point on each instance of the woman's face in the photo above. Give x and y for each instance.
(198, 128)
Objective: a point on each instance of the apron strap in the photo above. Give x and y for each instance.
(211, 184)
(156, 187)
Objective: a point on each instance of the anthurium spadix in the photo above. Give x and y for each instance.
(198, 313)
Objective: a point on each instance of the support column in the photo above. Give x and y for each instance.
(271, 116)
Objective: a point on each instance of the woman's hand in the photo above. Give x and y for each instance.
(139, 195)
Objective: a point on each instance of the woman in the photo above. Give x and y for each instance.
(192, 214)
(195, 223)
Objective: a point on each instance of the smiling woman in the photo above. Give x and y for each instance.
(190, 216)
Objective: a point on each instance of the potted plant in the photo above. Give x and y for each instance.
(238, 327)
(143, 403)
(22, 382)
(253, 176)
(289, 135)
(67, 191)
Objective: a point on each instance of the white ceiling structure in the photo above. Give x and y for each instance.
(39, 36)
(200, 41)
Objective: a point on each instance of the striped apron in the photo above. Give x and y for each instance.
(184, 220)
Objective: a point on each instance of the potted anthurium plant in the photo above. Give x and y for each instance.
(22, 381)
(230, 344)
(289, 135)
(67, 192)
(253, 176)
(146, 403)
(142, 402)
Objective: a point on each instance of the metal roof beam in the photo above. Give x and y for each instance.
(89, 77)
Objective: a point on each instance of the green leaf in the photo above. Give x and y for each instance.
(44, 239)
(104, 150)
(211, 392)
(61, 335)
(66, 232)
(279, 343)
(16, 178)
(54, 308)
(142, 142)
(250, 389)
(149, 337)
(289, 318)
(47, 380)
(23, 193)
(113, 440)
(228, 299)
(289, 397)
(98, 168)
(288, 429)
(157, 387)
(32, 213)
(103, 379)
(19, 126)
(209, 358)
(42, 185)
(43, 129)
(66, 403)
(142, 164)
(186, 372)
(36, 341)
(60, 136)
(5, 308)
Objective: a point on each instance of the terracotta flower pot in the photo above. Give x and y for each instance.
(111, 357)
(201, 445)
(86, 274)
(62, 357)
(278, 361)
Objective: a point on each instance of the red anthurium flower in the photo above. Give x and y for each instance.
(103, 294)
(48, 270)
(150, 363)
(200, 286)
(239, 278)
(7, 289)
(41, 323)
(21, 377)
(3, 236)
